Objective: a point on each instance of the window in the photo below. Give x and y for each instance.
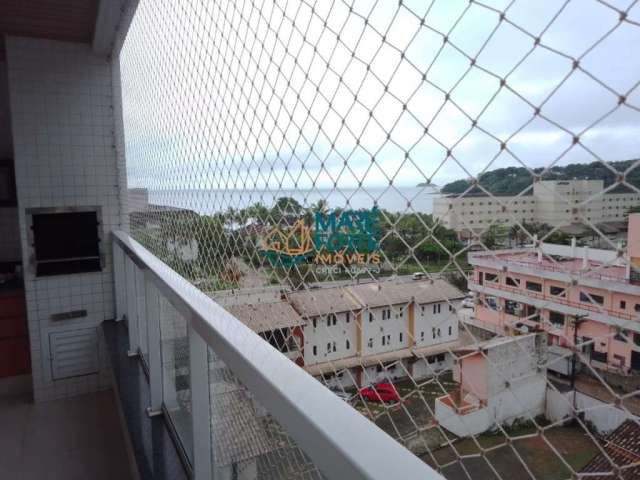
(450, 308)
(557, 291)
(347, 344)
(370, 343)
(328, 347)
(556, 318)
(433, 332)
(315, 322)
(584, 297)
(347, 317)
(334, 346)
(534, 286)
(513, 282)
(637, 307)
(491, 277)
(422, 336)
(450, 330)
(623, 305)
(511, 307)
(599, 356)
(384, 340)
(439, 334)
(315, 350)
(386, 314)
(370, 316)
(436, 308)
(621, 336)
(400, 337)
(422, 308)
(440, 357)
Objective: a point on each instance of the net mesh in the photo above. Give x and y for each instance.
(425, 204)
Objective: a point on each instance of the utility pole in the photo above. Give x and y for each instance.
(578, 320)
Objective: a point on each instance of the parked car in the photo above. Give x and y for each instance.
(384, 392)
(467, 303)
(419, 275)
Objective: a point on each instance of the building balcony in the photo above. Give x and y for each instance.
(541, 301)
(460, 416)
(233, 402)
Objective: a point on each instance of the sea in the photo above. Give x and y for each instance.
(393, 199)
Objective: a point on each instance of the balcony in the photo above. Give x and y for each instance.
(557, 303)
(462, 417)
(222, 388)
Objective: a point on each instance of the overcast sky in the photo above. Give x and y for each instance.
(236, 94)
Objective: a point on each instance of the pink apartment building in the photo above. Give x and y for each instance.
(547, 288)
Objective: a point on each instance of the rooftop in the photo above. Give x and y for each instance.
(263, 317)
(529, 258)
(622, 446)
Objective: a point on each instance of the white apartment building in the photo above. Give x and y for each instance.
(369, 332)
(555, 202)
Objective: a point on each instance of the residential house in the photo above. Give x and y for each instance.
(500, 381)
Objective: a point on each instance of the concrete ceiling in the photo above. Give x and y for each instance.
(65, 20)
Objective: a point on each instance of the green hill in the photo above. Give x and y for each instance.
(513, 180)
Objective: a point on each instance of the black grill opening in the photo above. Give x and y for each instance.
(66, 243)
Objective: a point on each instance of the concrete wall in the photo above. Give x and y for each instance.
(472, 423)
(63, 122)
(604, 416)
(523, 400)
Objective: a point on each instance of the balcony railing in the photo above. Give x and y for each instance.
(554, 299)
(232, 399)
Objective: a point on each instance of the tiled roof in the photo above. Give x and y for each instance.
(393, 293)
(263, 317)
(623, 448)
(238, 431)
(323, 301)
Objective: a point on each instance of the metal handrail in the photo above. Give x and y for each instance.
(341, 442)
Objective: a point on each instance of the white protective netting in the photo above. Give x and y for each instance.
(458, 146)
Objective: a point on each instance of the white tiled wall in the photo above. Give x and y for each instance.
(62, 120)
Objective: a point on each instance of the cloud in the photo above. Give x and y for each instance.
(286, 95)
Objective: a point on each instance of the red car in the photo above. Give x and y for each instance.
(385, 392)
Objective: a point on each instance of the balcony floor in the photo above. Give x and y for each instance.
(76, 438)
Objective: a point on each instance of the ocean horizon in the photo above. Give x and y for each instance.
(393, 199)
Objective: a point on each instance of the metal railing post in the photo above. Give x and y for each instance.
(200, 407)
(155, 359)
(132, 308)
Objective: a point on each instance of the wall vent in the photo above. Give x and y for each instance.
(73, 353)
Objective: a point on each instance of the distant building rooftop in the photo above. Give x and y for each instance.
(264, 317)
(622, 446)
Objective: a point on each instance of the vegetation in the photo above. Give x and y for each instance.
(513, 180)
(409, 243)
